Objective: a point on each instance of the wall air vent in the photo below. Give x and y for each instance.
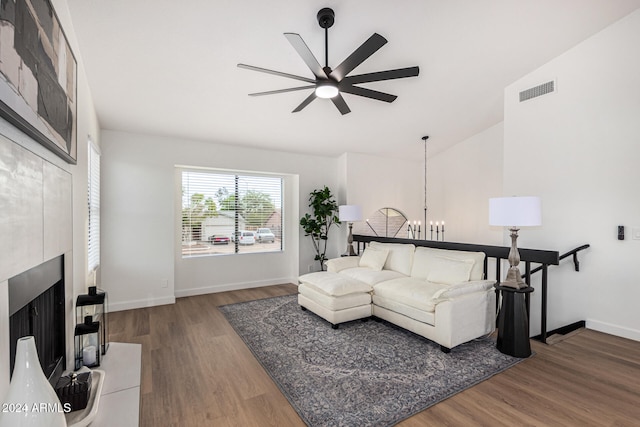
(537, 91)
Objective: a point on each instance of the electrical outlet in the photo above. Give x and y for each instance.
(310, 268)
(635, 233)
(164, 283)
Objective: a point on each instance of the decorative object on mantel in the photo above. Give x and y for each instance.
(349, 214)
(324, 210)
(30, 400)
(84, 417)
(514, 212)
(38, 82)
(96, 305)
(332, 83)
(74, 389)
(87, 343)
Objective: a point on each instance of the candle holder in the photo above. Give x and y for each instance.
(87, 344)
(95, 304)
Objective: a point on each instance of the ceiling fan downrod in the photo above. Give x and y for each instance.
(326, 18)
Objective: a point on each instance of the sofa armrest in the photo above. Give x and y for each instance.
(462, 288)
(336, 264)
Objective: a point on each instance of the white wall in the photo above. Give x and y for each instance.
(140, 209)
(375, 182)
(460, 182)
(579, 150)
(75, 264)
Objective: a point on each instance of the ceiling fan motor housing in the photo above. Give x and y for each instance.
(326, 17)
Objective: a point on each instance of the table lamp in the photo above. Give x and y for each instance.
(514, 212)
(348, 214)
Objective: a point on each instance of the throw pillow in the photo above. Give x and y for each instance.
(449, 270)
(374, 258)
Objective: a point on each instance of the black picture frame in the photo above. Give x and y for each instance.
(38, 76)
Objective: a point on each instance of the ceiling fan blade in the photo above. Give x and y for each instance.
(276, 73)
(306, 102)
(399, 73)
(367, 93)
(305, 53)
(291, 89)
(340, 104)
(366, 49)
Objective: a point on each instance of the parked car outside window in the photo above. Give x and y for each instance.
(264, 235)
(219, 240)
(245, 237)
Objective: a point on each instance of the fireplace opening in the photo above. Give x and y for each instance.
(37, 307)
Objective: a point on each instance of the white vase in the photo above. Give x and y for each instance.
(30, 401)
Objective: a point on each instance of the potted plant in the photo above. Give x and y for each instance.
(325, 211)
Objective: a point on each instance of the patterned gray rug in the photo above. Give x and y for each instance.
(362, 374)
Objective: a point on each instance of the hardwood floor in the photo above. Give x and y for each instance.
(196, 371)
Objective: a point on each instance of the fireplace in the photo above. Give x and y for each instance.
(37, 307)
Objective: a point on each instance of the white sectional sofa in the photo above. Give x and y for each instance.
(439, 294)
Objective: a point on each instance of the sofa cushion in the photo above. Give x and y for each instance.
(410, 291)
(367, 275)
(374, 258)
(458, 289)
(425, 257)
(334, 284)
(413, 313)
(449, 270)
(342, 302)
(400, 256)
(335, 265)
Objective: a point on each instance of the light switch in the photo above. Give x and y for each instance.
(635, 233)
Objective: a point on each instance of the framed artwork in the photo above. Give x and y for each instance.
(38, 75)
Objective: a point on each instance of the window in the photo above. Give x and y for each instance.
(93, 202)
(228, 213)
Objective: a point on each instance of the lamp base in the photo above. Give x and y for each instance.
(350, 251)
(514, 279)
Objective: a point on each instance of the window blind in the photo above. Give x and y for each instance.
(93, 202)
(221, 205)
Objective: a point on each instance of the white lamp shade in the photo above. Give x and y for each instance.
(349, 213)
(515, 211)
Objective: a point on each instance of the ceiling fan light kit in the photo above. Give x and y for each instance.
(327, 89)
(332, 83)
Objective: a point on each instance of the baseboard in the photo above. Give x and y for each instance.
(232, 287)
(151, 302)
(608, 328)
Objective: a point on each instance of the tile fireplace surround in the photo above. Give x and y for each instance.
(36, 226)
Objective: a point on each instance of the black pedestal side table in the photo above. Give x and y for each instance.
(513, 322)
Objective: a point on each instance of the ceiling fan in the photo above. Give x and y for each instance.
(332, 83)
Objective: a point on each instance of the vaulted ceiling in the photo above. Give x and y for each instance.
(168, 68)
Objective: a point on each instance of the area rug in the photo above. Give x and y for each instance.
(362, 374)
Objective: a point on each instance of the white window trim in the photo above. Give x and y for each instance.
(93, 207)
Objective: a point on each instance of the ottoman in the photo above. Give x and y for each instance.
(334, 297)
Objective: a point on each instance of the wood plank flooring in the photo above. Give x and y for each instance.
(196, 371)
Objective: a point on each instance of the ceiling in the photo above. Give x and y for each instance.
(168, 68)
